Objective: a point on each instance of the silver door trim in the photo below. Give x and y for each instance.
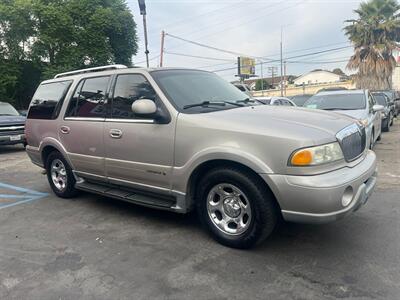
(146, 121)
(84, 119)
(139, 185)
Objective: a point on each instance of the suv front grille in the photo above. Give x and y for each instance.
(352, 140)
(12, 129)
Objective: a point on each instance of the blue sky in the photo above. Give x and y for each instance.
(251, 27)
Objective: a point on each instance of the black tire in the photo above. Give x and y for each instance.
(371, 144)
(69, 190)
(264, 209)
(386, 126)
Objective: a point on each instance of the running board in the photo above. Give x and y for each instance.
(121, 193)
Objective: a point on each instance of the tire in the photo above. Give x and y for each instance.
(371, 140)
(386, 126)
(219, 194)
(58, 170)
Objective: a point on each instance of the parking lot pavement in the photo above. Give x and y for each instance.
(97, 248)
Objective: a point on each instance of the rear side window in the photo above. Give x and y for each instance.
(128, 89)
(89, 98)
(48, 99)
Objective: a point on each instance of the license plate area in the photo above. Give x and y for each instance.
(15, 138)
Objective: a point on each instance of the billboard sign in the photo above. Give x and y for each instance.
(246, 66)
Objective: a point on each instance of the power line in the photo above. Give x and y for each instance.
(200, 57)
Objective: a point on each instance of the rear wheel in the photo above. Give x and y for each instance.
(59, 175)
(386, 125)
(236, 207)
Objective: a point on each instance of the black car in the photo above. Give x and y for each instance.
(394, 98)
(387, 114)
(12, 125)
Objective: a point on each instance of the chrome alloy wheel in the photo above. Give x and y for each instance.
(229, 209)
(59, 174)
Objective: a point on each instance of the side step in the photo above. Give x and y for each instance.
(124, 194)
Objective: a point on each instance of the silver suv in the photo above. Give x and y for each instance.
(180, 139)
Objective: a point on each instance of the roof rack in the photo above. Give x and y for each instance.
(89, 70)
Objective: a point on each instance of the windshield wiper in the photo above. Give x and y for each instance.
(6, 115)
(208, 103)
(248, 100)
(204, 103)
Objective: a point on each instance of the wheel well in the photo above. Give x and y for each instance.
(46, 152)
(203, 168)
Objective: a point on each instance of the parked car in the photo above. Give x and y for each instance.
(359, 104)
(299, 100)
(12, 125)
(181, 139)
(282, 101)
(244, 88)
(387, 114)
(394, 98)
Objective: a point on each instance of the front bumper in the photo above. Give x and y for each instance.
(12, 139)
(326, 197)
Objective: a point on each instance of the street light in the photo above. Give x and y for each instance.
(142, 7)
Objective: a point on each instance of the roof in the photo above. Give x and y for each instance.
(317, 71)
(342, 92)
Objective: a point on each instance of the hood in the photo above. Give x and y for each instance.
(356, 114)
(281, 118)
(12, 120)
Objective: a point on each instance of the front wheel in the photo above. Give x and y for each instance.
(59, 175)
(236, 208)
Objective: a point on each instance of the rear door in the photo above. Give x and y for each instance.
(139, 151)
(81, 130)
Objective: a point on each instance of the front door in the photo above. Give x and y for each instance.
(81, 131)
(139, 152)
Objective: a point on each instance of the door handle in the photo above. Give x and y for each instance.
(64, 129)
(115, 133)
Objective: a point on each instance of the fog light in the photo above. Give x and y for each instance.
(347, 196)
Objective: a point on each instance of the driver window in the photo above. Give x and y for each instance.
(128, 89)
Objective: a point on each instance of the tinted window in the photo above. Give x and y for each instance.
(277, 102)
(90, 101)
(7, 109)
(381, 99)
(128, 89)
(71, 110)
(336, 101)
(300, 99)
(47, 101)
(240, 88)
(186, 87)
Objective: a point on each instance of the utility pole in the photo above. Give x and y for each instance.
(262, 79)
(142, 7)
(281, 62)
(162, 48)
(273, 71)
(284, 76)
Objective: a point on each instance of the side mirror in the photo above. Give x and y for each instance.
(378, 107)
(144, 108)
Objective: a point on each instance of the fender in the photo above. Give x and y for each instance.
(181, 175)
(50, 141)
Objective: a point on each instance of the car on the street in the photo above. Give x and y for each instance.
(183, 139)
(359, 104)
(387, 114)
(244, 88)
(12, 125)
(299, 100)
(278, 101)
(394, 100)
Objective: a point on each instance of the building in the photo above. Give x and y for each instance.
(317, 77)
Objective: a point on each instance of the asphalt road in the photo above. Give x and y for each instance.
(97, 248)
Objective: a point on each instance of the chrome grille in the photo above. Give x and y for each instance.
(12, 129)
(352, 140)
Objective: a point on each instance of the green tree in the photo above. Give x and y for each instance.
(262, 84)
(374, 34)
(52, 36)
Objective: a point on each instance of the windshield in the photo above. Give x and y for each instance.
(336, 102)
(380, 99)
(188, 87)
(8, 110)
(300, 99)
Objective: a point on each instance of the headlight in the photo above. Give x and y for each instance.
(364, 122)
(316, 155)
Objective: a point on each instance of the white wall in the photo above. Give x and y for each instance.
(316, 78)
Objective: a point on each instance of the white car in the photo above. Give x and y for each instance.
(359, 104)
(281, 101)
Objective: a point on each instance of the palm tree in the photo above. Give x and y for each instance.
(374, 35)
